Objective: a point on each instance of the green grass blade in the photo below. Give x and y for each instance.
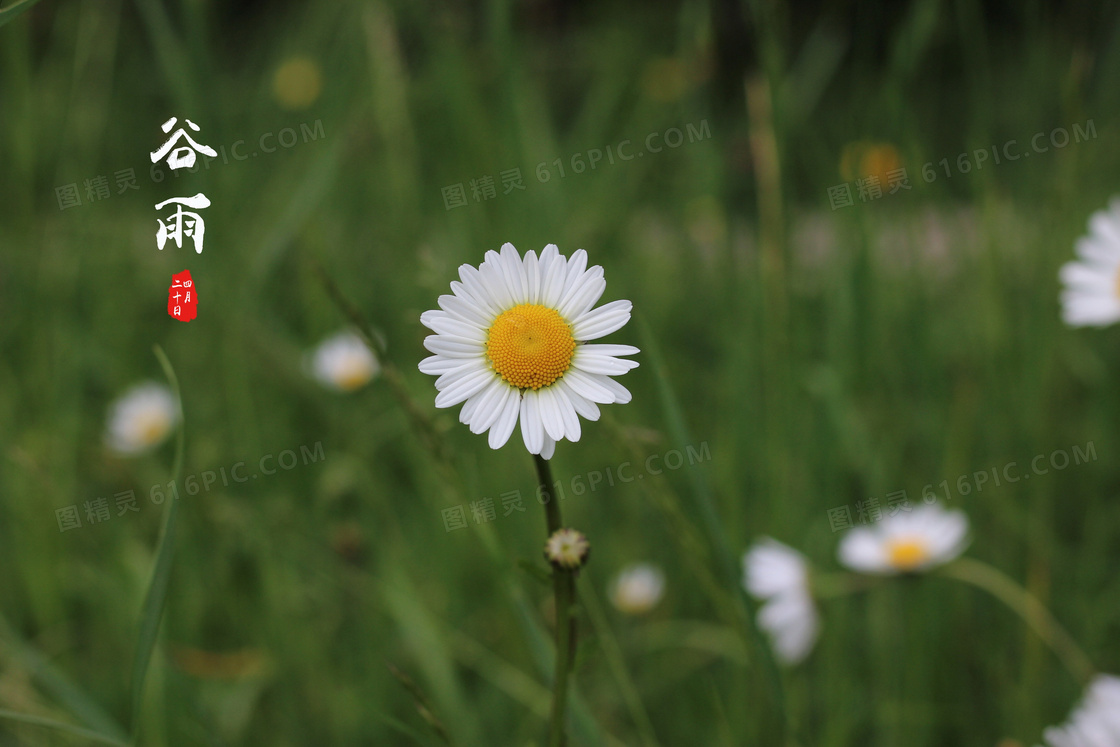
(156, 597)
(50, 723)
(678, 433)
(13, 11)
(71, 697)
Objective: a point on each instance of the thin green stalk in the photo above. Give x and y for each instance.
(832, 585)
(156, 597)
(9, 14)
(1028, 607)
(389, 373)
(613, 653)
(563, 588)
(62, 726)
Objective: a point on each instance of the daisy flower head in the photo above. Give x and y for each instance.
(779, 575)
(140, 419)
(637, 588)
(1091, 294)
(924, 538)
(511, 343)
(1095, 722)
(567, 548)
(343, 362)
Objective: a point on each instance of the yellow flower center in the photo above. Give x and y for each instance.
(907, 554)
(530, 346)
(153, 428)
(353, 377)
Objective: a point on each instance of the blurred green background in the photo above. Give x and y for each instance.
(823, 353)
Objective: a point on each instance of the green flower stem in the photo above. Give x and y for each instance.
(564, 590)
(831, 585)
(1028, 607)
(424, 426)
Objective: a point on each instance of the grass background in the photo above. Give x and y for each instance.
(824, 356)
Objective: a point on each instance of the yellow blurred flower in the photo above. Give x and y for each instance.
(862, 159)
(297, 83)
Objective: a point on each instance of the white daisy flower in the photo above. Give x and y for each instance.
(924, 538)
(141, 419)
(779, 575)
(1095, 722)
(344, 362)
(637, 588)
(511, 344)
(1091, 296)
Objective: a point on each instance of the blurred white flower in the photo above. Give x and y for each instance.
(1091, 296)
(779, 575)
(140, 419)
(926, 537)
(344, 362)
(1095, 722)
(637, 588)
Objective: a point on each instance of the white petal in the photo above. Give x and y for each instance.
(467, 412)
(1104, 225)
(547, 256)
(495, 281)
(771, 568)
(453, 347)
(602, 321)
(948, 536)
(553, 278)
(551, 419)
(548, 449)
(621, 394)
(438, 364)
(532, 431)
(583, 406)
(515, 270)
(792, 621)
(567, 412)
(478, 289)
(587, 386)
(446, 325)
(583, 295)
(465, 310)
(503, 426)
(468, 385)
(427, 316)
(467, 366)
(492, 402)
(576, 266)
(1096, 252)
(608, 349)
(1096, 310)
(601, 364)
(862, 550)
(505, 274)
(532, 277)
(1080, 275)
